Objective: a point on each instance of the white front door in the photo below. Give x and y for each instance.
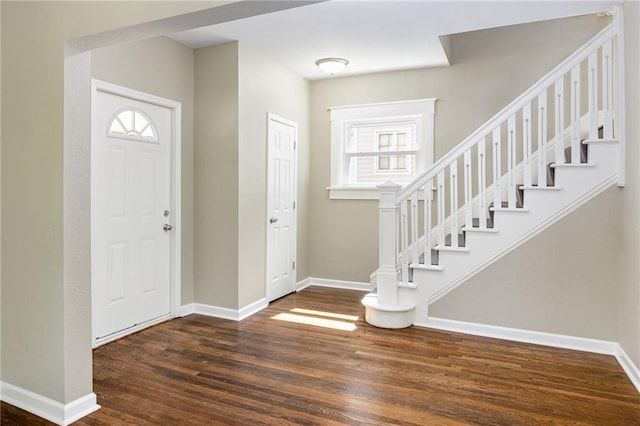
(281, 198)
(131, 214)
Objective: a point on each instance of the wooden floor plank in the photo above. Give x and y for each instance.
(263, 371)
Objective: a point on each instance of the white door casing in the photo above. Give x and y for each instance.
(281, 208)
(134, 210)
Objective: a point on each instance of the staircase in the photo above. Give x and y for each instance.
(552, 149)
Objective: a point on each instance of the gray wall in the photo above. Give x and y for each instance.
(235, 88)
(565, 280)
(216, 127)
(489, 69)
(629, 250)
(162, 67)
(44, 317)
(267, 87)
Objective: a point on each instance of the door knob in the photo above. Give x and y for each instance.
(167, 227)
(273, 220)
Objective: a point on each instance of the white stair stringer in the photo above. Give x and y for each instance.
(574, 186)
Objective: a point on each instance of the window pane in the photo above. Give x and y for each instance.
(148, 134)
(402, 141)
(116, 128)
(401, 162)
(383, 163)
(140, 122)
(384, 141)
(126, 117)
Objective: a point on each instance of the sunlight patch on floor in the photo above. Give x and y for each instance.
(325, 314)
(315, 321)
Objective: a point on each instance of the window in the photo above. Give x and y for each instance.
(131, 124)
(375, 143)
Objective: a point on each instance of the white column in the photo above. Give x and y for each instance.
(387, 271)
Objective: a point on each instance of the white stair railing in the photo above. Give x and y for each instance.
(510, 151)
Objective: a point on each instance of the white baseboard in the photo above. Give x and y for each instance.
(187, 309)
(47, 408)
(252, 308)
(539, 338)
(525, 336)
(224, 313)
(323, 282)
(629, 367)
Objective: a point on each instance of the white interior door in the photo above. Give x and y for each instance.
(131, 216)
(281, 198)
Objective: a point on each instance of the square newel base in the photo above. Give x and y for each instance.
(387, 316)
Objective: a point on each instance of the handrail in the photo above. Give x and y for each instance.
(550, 78)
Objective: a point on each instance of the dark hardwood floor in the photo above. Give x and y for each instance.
(268, 370)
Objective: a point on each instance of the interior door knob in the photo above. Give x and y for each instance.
(273, 219)
(167, 227)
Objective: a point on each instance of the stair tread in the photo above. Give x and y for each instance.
(453, 249)
(509, 209)
(505, 205)
(426, 267)
(597, 141)
(548, 187)
(478, 229)
(556, 165)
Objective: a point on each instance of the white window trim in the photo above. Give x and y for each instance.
(343, 117)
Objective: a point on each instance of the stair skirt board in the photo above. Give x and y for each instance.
(532, 233)
(540, 209)
(540, 338)
(47, 408)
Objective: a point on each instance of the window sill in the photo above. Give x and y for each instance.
(353, 193)
(359, 193)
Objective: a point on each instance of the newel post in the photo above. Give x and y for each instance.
(383, 309)
(388, 256)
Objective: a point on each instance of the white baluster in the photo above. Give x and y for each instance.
(468, 190)
(526, 143)
(542, 139)
(592, 69)
(511, 161)
(415, 252)
(441, 207)
(453, 174)
(404, 243)
(607, 89)
(497, 168)
(559, 116)
(482, 184)
(428, 197)
(575, 115)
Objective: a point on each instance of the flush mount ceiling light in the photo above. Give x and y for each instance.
(332, 66)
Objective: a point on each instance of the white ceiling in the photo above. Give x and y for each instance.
(377, 35)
